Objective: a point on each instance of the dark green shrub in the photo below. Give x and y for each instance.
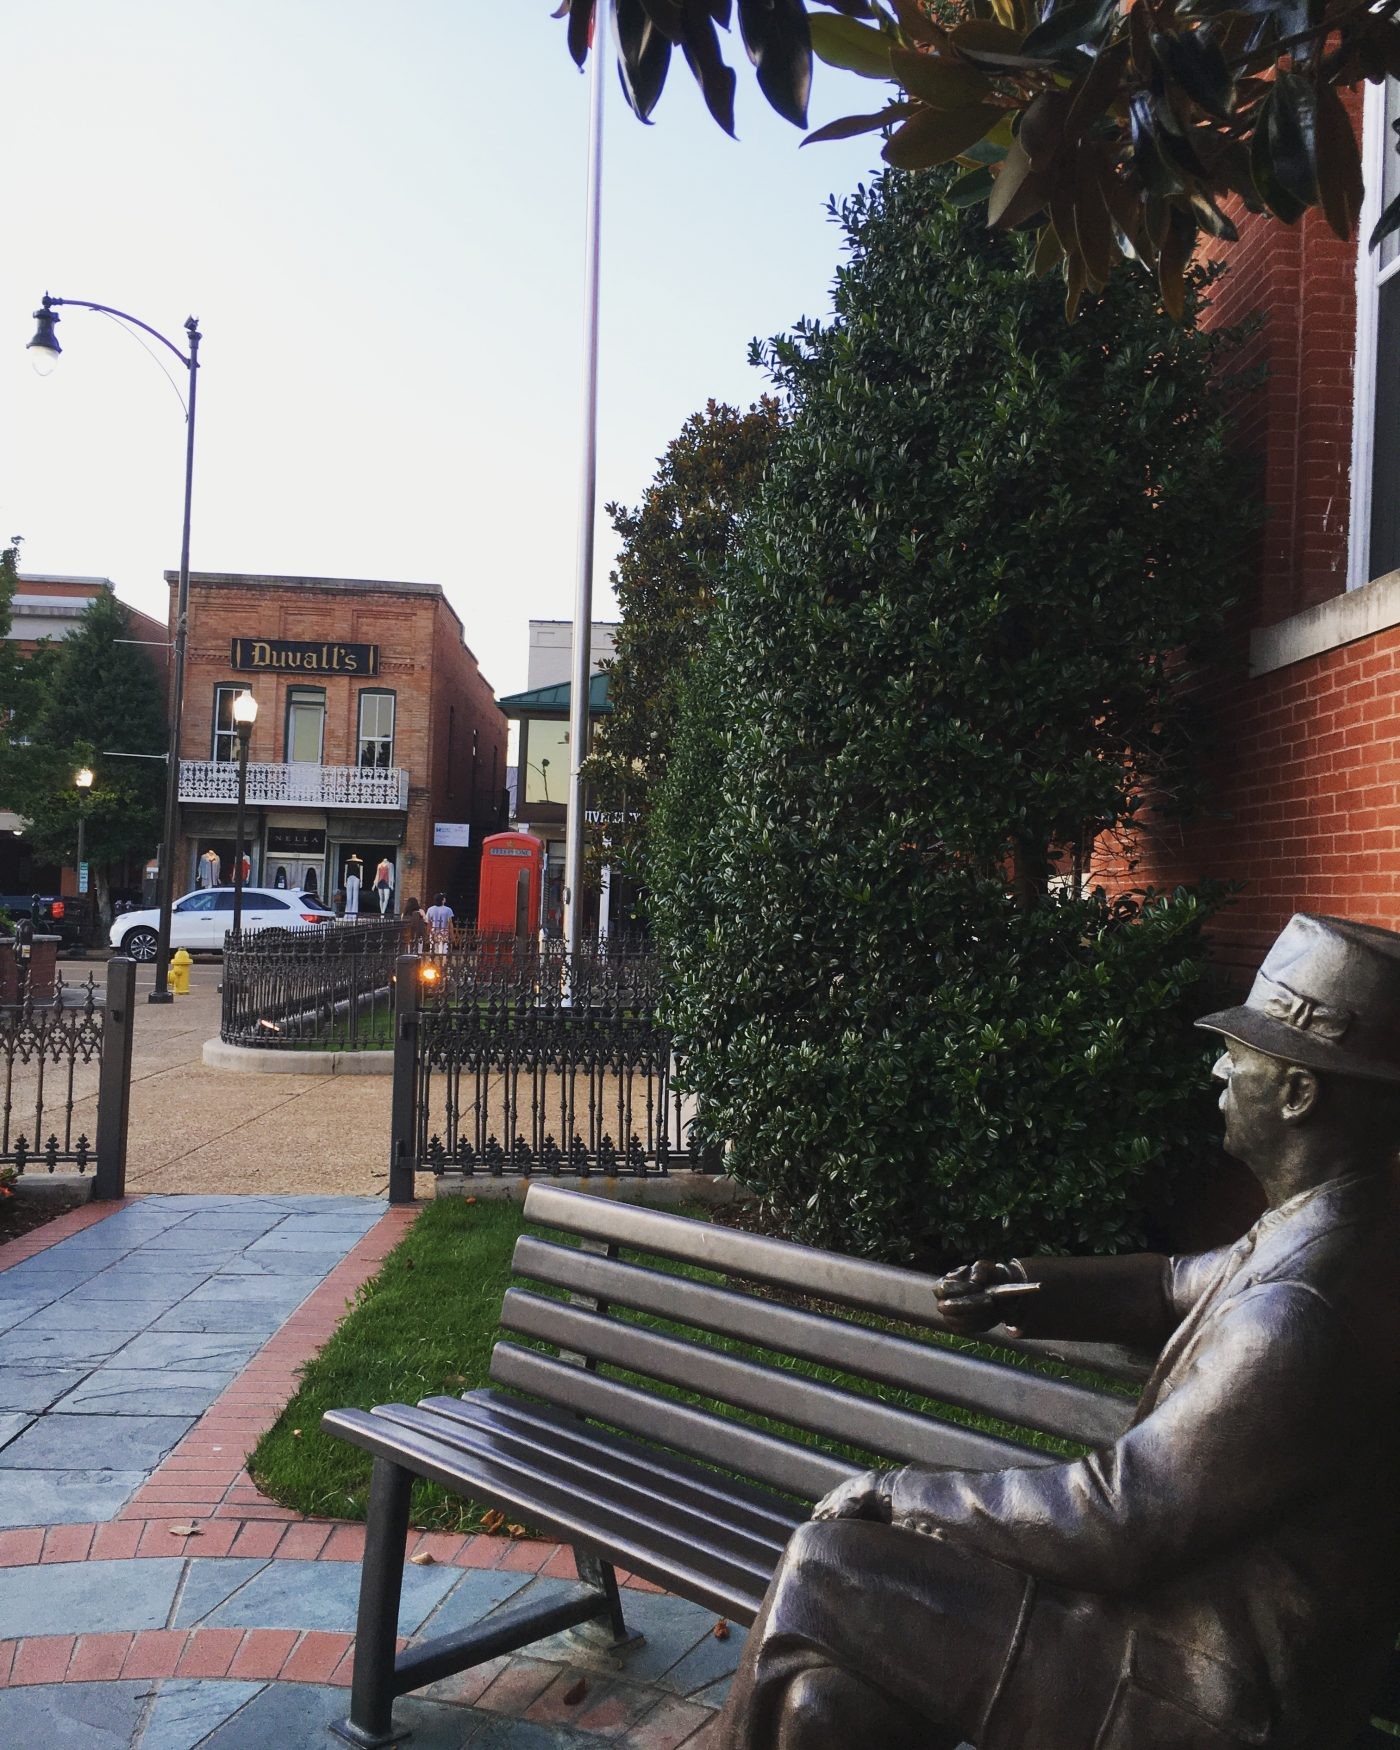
(954, 652)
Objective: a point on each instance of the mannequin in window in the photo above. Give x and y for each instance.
(384, 885)
(281, 877)
(310, 884)
(209, 871)
(354, 873)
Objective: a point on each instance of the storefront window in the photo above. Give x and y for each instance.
(306, 723)
(225, 735)
(377, 730)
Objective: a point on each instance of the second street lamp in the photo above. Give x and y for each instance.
(44, 353)
(245, 715)
(82, 780)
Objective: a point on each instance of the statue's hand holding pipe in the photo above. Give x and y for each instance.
(981, 1295)
(867, 1496)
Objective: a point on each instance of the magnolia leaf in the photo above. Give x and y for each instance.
(940, 83)
(971, 190)
(716, 81)
(933, 136)
(643, 57)
(1093, 225)
(1274, 195)
(850, 125)
(1388, 223)
(779, 43)
(668, 16)
(1172, 263)
(916, 24)
(843, 42)
(1292, 130)
(1048, 250)
(580, 30)
(1076, 280)
(1062, 32)
(985, 43)
(1043, 126)
(1199, 67)
(423, 1558)
(1340, 183)
(1014, 170)
(185, 1531)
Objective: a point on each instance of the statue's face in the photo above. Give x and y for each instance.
(1253, 1100)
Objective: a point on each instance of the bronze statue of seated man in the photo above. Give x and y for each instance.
(1225, 1573)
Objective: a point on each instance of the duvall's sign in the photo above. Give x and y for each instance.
(290, 656)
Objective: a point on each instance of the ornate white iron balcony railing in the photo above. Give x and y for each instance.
(295, 786)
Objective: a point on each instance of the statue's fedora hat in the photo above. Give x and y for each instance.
(1327, 997)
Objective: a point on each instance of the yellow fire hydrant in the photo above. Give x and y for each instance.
(180, 964)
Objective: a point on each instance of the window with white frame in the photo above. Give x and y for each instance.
(1375, 471)
(377, 730)
(225, 730)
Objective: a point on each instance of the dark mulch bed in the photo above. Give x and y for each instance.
(27, 1209)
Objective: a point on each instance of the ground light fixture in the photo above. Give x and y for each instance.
(45, 352)
(245, 715)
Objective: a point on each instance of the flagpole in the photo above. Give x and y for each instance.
(588, 495)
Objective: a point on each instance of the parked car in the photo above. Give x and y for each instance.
(200, 920)
(50, 914)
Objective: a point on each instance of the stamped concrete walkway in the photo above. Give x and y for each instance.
(161, 1601)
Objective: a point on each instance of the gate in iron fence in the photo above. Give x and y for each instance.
(512, 1059)
(65, 1071)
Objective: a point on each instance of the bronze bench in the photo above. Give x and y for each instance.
(614, 1464)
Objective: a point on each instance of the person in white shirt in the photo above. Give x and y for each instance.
(440, 915)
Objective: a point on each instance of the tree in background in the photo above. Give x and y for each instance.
(953, 651)
(97, 693)
(673, 543)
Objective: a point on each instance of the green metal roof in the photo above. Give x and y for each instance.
(554, 701)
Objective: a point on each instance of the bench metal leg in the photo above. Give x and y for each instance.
(610, 1628)
(371, 1722)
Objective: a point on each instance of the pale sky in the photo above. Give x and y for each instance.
(376, 213)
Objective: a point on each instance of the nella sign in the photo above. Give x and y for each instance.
(291, 656)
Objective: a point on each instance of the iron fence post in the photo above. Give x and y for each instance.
(114, 1080)
(405, 1099)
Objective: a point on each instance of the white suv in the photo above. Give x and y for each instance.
(200, 920)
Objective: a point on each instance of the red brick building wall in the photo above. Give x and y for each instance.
(1304, 805)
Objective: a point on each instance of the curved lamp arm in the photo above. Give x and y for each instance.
(191, 363)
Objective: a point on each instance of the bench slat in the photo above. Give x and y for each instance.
(769, 1391)
(558, 1513)
(895, 1293)
(708, 1527)
(651, 1467)
(1053, 1406)
(781, 1464)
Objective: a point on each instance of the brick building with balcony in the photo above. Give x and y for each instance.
(377, 740)
(1304, 807)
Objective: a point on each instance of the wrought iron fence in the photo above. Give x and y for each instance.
(65, 1061)
(326, 988)
(512, 1059)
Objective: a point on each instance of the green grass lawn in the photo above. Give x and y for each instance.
(426, 1324)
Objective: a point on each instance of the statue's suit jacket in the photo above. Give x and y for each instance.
(1226, 1572)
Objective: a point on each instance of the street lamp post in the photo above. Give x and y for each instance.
(44, 351)
(245, 715)
(82, 779)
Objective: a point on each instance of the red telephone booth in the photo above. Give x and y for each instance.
(512, 873)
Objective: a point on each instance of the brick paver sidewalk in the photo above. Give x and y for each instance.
(126, 1627)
